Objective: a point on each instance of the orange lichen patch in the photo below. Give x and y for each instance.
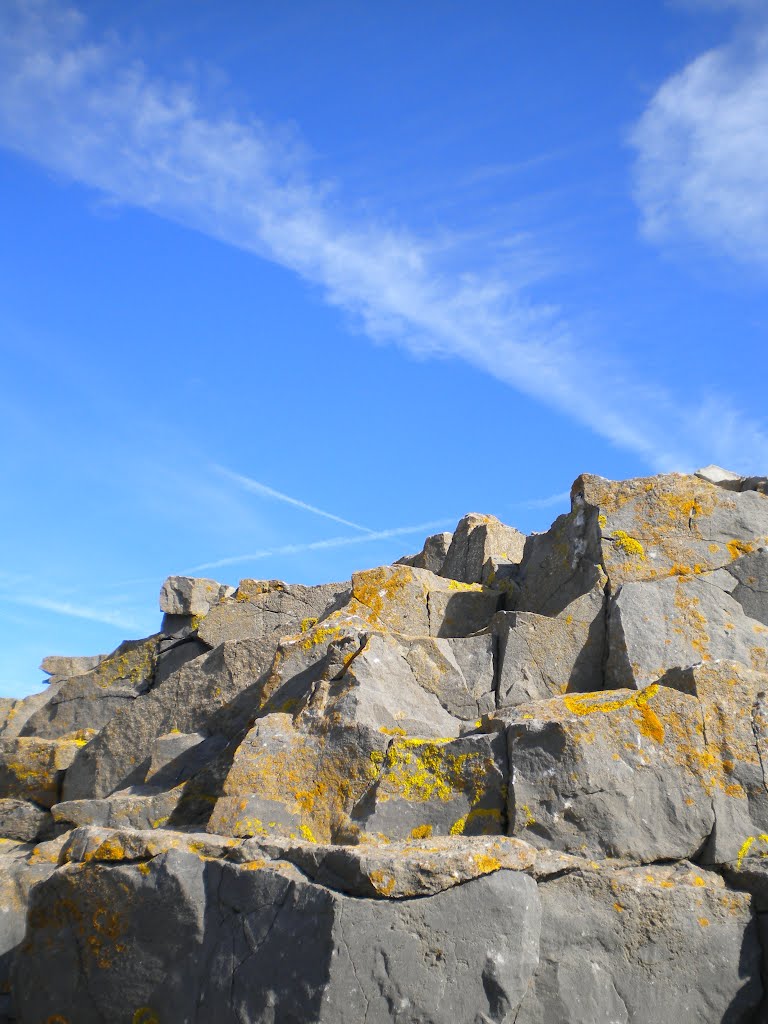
(688, 622)
(253, 865)
(392, 730)
(110, 849)
(618, 908)
(421, 832)
(307, 624)
(648, 722)
(489, 817)
(704, 922)
(383, 882)
(378, 587)
(714, 548)
(737, 548)
(144, 867)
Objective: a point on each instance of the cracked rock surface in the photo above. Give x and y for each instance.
(506, 780)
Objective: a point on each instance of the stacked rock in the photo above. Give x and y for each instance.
(507, 779)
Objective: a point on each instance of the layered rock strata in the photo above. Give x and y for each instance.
(509, 779)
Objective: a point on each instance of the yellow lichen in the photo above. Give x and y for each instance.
(421, 832)
(485, 863)
(737, 548)
(307, 624)
(383, 882)
(649, 723)
(307, 833)
(628, 545)
(747, 845)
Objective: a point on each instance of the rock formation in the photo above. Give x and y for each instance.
(507, 780)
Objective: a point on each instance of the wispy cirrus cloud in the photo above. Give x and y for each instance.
(92, 113)
(109, 617)
(254, 487)
(322, 545)
(701, 169)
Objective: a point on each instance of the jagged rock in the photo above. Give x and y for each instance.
(22, 820)
(90, 700)
(751, 590)
(458, 670)
(417, 602)
(343, 810)
(33, 769)
(613, 774)
(432, 555)
(215, 691)
(186, 595)
(660, 625)
(542, 656)
(735, 729)
(302, 774)
(483, 550)
(329, 958)
(641, 946)
(732, 481)
(64, 667)
(261, 608)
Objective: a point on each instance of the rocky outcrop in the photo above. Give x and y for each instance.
(518, 780)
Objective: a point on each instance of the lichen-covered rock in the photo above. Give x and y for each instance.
(263, 608)
(89, 701)
(660, 625)
(186, 595)
(614, 774)
(438, 787)
(353, 803)
(60, 666)
(419, 603)
(93, 948)
(542, 656)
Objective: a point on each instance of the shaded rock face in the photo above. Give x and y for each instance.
(518, 780)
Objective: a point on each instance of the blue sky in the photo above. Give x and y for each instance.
(286, 287)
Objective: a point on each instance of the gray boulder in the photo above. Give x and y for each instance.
(186, 595)
(432, 555)
(483, 550)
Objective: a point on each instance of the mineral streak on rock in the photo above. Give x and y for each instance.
(506, 780)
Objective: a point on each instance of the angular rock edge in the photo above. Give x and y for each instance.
(507, 779)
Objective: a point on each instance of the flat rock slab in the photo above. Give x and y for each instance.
(642, 946)
(187, 595)
(331, 959)
(263, 608)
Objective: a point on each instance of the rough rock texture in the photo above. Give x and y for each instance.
(510, 780)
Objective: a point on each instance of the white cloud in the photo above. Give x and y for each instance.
(94, 115)
(78, 611)
(702, 151)
(321, 545)
(254, 487)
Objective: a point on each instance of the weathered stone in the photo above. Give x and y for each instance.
(64, 667)
(642, 946)
(458, 670)
(90, 700)
(542, 656)
(751, 590)
(615, 774)
(22, 820)
(328, 958)
(186, 595)
(419, 603)
(302, 774)
(732, 481)
(216, 691)
(90, 843)
(735, 731)
(262, 608)
(432, 555)
(395, 870)
(17, 876)
(138, 807)
(14, 714)
(437, 787)
(654, 627)
(177, 756)
(481, 545)
(33, 769)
